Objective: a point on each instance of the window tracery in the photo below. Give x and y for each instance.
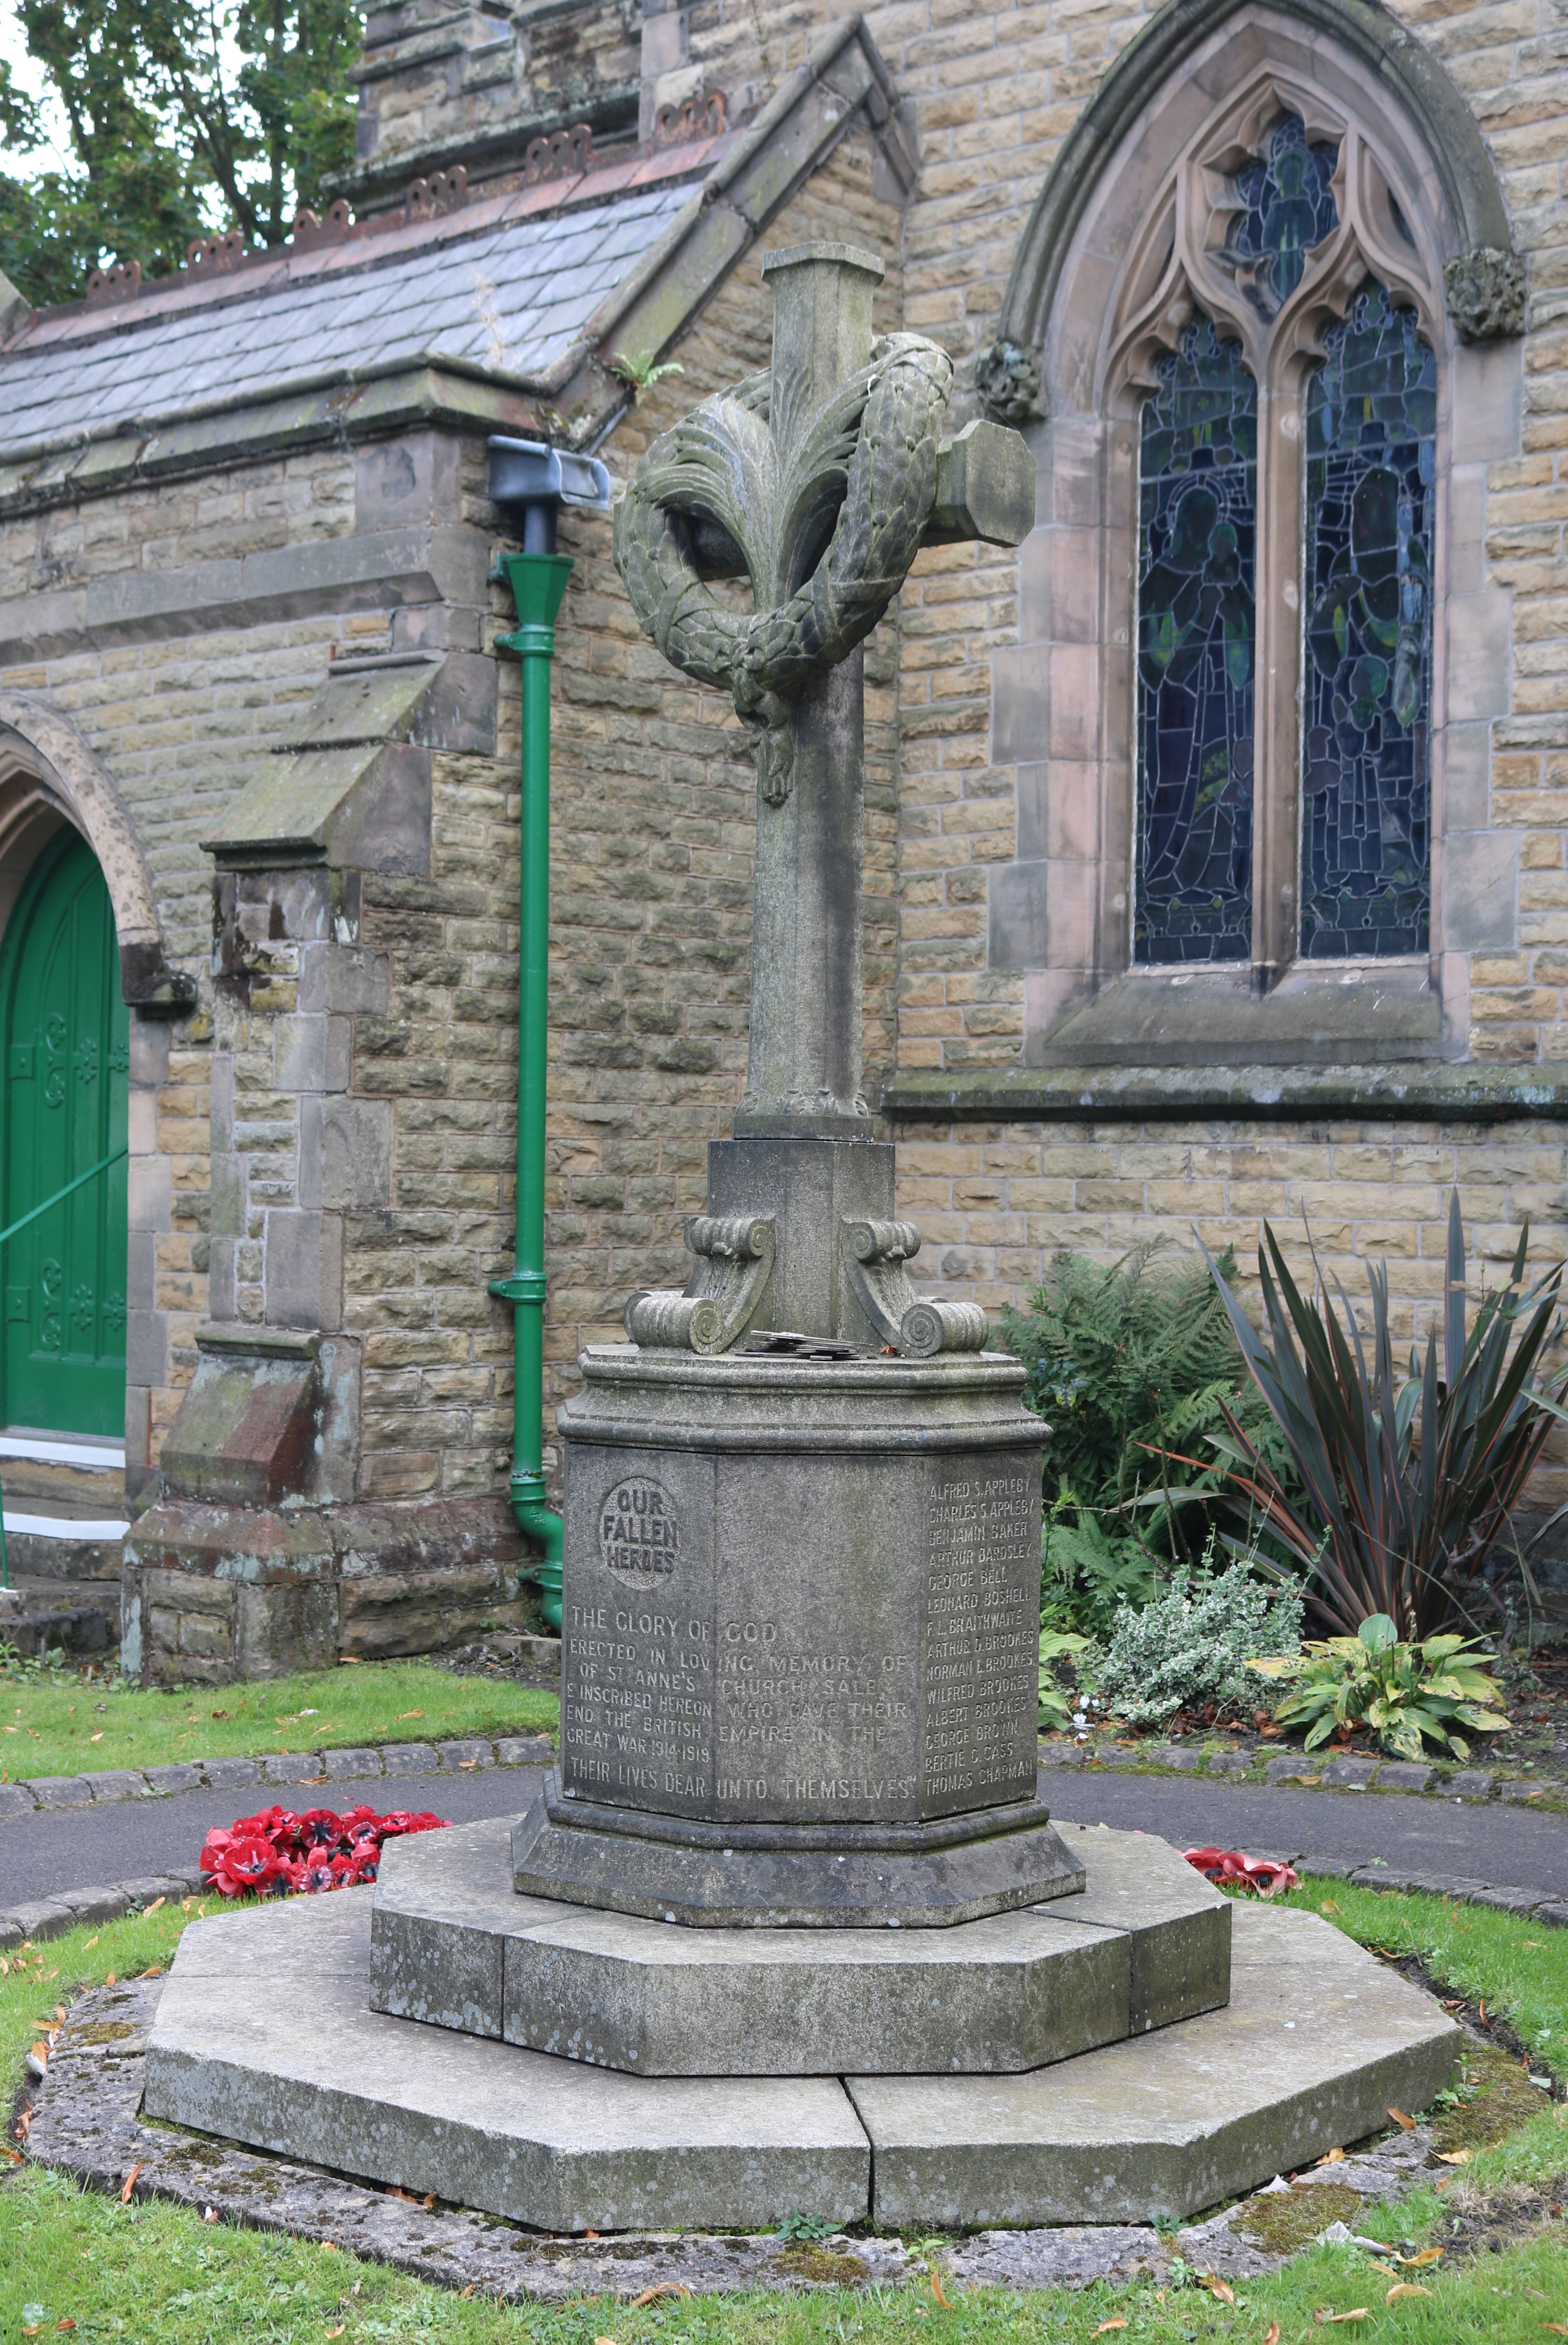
(1281, 793)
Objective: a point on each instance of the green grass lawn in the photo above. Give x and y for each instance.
(54, 1723)
(154, 2272)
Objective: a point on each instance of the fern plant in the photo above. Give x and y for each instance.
(1133, 1366)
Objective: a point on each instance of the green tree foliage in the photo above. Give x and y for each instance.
(1132, 1367)
(183, 117)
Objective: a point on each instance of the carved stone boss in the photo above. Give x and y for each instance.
(818, 482)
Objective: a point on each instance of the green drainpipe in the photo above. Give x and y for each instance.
(528, 484)
(538, 582)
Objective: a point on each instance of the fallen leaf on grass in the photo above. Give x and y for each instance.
(1327, 2320)
(606, 2340)
(1427, 2255)
(111, 1980)
(154, 1906)
(472, 2290)
(156, 1970)
(1106, 2326)
(1453, 2157)
(1405, 2123)
(1222, 2288)
(408, 1713)
(130, 2182)
(661, 2289)
(1273, 2336)
(1404, 2287)
(97, 1737)
(339, 2330)
(66, 2323)
(1558, 2328)
(936, 2289)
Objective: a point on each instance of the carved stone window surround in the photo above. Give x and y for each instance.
(1145, 258)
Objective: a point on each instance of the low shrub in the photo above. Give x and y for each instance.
(1404, 1694)
(1194, 1644)
(1405, 1480)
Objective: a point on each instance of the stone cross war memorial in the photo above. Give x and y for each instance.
(790, 1926)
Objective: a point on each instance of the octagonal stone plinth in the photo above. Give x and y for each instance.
(799, 1615)
(1148, 1943)
(1317, 2039)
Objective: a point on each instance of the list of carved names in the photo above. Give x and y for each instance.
(981, 1637)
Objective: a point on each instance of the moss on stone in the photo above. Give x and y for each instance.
(809, 2261)
(1496, 2096)
(1281, 2221)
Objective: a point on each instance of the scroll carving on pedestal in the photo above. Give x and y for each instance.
(722, 1297)
(917, 1326)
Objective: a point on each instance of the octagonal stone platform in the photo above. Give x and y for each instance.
(265, 2034)
(1147, 1944)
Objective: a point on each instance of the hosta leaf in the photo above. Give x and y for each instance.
(1437, 1648)
(1490, 1721)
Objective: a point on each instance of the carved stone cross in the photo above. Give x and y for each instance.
(818, 482)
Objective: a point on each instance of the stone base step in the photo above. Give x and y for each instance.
(1145, 1942)
(1317, 2040)
(62, 1474)
(38, 1625)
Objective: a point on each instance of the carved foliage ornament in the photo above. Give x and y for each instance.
(713, 497)
(1483, 293)
(1007, 379)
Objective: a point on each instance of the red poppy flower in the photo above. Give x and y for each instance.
(1264, 1875)
(278, 1854)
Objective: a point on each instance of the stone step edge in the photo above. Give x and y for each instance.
(1403, 1776)
(387, 1760)
(51, 1917)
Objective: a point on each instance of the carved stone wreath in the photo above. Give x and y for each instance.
(716, 497)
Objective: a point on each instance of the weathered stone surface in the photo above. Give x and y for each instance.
(848, 1876)
(551, 2143)
(1179, 1923)
(1315, 2042)
(453, 1944)
(706, 1674)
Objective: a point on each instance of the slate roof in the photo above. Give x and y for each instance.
(510, 299)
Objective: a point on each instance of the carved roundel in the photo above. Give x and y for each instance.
(640, 1534)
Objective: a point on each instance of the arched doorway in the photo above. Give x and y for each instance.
(66, 1034)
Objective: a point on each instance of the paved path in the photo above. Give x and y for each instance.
(77, 1848)
(80, 1848)
(1506, 1847)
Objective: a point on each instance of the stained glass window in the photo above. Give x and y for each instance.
(1372, 417)
(1287, 208)
(1197, 533)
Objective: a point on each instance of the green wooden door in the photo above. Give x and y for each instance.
(67, 1041)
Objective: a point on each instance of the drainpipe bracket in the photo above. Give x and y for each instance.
(521, 1286)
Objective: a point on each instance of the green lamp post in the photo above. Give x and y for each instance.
(529, 482)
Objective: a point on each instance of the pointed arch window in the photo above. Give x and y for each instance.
(1280, 347)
